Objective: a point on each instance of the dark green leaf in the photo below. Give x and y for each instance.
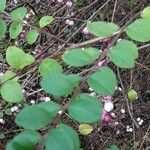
(15, 29)
(79, 57)
(124, 54)
(37, 116)
(2, 5)
(139, 30)
(2, 28)
(102, 29)
(62, 138)
(86, 109)
(59, 84)
(26, 140)
(103, 81)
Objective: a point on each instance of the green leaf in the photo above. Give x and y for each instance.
(37, 116)
(139, 30)
(18, 14)
(8, 112)
(59, 84)
(32, 36)
(8, 75)
(26, 140)
(2, 5)
(124, 54)
(15, 29)
(85, 109)
(17, 58)
(2, 27)
(2, 136)
(146, 13)
(102, 29)
(67, 137)
(113, 147)
(11, 91)
(46, 20)
(132, 95)
(103, 81)
(49, 65)
(79, 57)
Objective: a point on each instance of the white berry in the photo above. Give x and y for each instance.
(47, 99)
(138, 119)
(122, 111)
(92, 94)
(108, 106)
(12, 109)
(32, 102)
(2, 121)
(71, 23)
(86, 31)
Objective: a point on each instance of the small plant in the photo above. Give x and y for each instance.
(82, 107)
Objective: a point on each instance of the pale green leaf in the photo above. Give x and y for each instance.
(46, 20)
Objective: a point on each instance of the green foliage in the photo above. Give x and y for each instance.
(59, 84)
(32, 36)
(85, 109)
(113, 147)
(62, 138)
(8, 75)
(46, 20)
(2, 28)
(79, 57)
(2, 136)
(18, 14)
(26, 140)
(37, 116)
(2, 5)
(103, 81)
(102, 29)
(49, 65)
(17, 58)
(146, 13)
(139, 30)
(11, 91)
(124, 54)
(15, 29)
(132, 95)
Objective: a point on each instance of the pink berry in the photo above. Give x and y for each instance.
(86, 31)
(67, 21)
(60, 1)
(107, 119)
(71, 22)
(69, 4)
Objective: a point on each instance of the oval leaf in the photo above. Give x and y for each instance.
(85, 109)
(139, 30)
(46, 20)
(8, 75)
(146, 13)
(32, 36)
(67, 137)
(11, 91)
(2, 5)
(103, 81)
(124, 54)
(79, 57)
(132, 95)
(17, 58)
(59, 84)
(26, 140)
(15, 29)
(85, 129)
(49, 65)
(102, 29)
(2, 27)
(18, 14)
(37, 116)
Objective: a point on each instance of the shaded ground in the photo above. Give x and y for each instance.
(120, 11)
